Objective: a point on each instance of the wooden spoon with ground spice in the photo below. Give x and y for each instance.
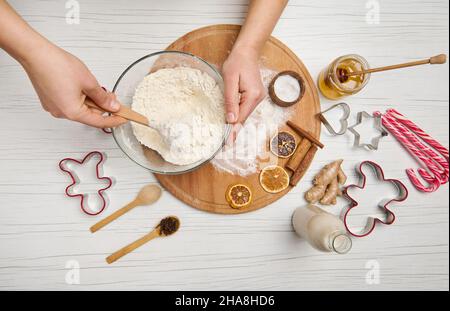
(166, 227)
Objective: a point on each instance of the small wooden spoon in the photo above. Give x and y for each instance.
(124, 112)
(438, 59)
(166, 227)
(148, 195)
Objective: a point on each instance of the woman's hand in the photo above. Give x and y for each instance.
(244, 89)
(62, 81)
(243, 86)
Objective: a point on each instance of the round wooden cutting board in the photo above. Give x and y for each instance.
(205, 188)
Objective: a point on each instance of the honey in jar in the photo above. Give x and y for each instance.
(335, 84)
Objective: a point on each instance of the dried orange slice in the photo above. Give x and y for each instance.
(274, 179)
(239, 196)
(283, 145)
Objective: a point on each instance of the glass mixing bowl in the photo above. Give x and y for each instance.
(125, 88)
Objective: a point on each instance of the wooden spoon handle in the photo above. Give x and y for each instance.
(131, 247)
(114, 216)
(124, 112)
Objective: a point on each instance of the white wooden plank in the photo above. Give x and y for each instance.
(40, 229)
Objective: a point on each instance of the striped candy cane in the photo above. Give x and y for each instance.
(434, 182)
(436, 164)
(419, 132)
(440, 158)
(438, 174)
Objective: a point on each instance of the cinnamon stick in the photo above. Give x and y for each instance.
(298, 155)
(306, 134)
(301, 169)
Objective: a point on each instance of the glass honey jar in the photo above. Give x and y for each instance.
(335, 84)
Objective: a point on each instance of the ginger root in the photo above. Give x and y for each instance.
(342, 178)
(327, 184)
(332, 192)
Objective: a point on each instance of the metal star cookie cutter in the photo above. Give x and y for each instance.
(343, 120)
(378, 126)
(69, 190)
(383, 204)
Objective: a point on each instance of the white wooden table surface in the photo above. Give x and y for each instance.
(42, 232)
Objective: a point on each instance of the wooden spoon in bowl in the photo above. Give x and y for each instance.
(166, 227)
(148, 195)
(123, 112)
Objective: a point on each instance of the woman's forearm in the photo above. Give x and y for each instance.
(17, 38)
(261, 19)
(244, 89)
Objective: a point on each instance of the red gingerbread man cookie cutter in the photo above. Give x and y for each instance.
(384, 204)
(75, 181)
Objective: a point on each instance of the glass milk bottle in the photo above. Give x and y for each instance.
(322, 230)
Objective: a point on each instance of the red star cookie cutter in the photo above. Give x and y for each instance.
(86, 209)
(384, 204)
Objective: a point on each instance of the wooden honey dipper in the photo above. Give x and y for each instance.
(438, 59)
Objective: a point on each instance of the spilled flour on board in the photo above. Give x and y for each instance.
(241, 158)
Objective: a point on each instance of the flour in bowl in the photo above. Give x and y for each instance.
(185, 108)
